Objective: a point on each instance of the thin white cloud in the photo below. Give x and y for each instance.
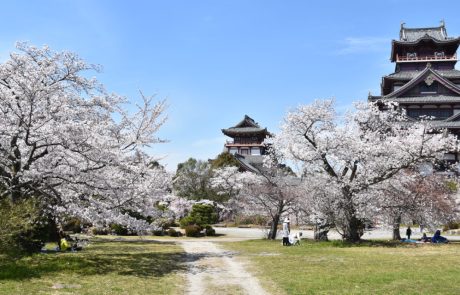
(353, 45)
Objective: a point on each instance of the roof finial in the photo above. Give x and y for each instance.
(402, 35)
(443, 24)
(428, 65)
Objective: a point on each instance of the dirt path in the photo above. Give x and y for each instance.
(215, 271)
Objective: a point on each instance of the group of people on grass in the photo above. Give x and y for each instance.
(288, 239)
(437, 238)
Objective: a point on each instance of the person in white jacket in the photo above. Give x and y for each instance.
(286, 231)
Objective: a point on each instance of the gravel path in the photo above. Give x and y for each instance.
(215, 271)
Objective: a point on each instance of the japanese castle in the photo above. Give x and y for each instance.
(247, 143)
(425, 81)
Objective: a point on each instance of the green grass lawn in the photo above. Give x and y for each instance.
(337, 268)
(103, 267)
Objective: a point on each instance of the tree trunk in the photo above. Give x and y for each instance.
(274, 227)
(15, 191)
(354, 227)
(396, 226)
(275, 221)
(353, 230)
(321, 230)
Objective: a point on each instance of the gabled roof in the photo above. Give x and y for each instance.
(415, 34)
(246, 127)
(409, 75)
(430, 99)
(422, 75)
(247, 122)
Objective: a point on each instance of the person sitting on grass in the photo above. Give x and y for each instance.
(437, 238)
(295, 239)
(64, 244)
(425, 239)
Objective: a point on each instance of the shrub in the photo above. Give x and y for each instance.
(23, 229)
(193, 230)
(158, 232)
(101, 231)
(201, 215)
(174, 233)
(119, 229)
(452, 185)
(451, 225)
(73, 225)
(209, 231)
(251, 219)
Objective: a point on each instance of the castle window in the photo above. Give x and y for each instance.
(396, 87)
(255, 151)
(439, 54)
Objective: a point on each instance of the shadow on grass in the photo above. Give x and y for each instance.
(133, 258)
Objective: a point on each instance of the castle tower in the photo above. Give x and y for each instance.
(425, 82)
(247, 143)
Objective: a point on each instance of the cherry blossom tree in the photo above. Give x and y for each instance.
(353, 155)
(271, 192)
(69, 143)
(413, 196)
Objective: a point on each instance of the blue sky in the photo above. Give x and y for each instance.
(215, 61)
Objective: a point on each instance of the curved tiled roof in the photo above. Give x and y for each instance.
(419, 77)
(409, 75)
(245, 131)
(423, 99)
(246, 127)
(414, 34)
(444, 124)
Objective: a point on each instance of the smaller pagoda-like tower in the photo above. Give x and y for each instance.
(247, 136)
(247, 145)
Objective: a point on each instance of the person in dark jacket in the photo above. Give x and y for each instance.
(437, 238)
(425, 239)
(408, 232)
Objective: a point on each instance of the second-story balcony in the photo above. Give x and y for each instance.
(243, 143)
(425, 58)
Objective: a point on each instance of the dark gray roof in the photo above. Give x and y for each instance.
(247, 126)
(250, 163)
(247, 122)
(414, 34)
(255, 160)
(424, 99)
(409, 75)
(417, 79)
(245, 129)
(444, 124)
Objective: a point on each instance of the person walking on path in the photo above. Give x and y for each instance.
(286, 231)
(408, 232)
